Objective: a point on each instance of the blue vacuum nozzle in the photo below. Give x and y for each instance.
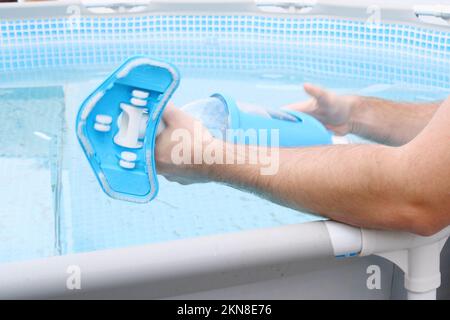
(117, 126)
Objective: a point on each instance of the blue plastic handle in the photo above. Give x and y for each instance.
(303, 131)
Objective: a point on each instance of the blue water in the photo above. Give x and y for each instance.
(30, 145)
(51, 202)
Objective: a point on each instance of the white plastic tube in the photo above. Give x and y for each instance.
(346, 240)
(157, 263)
(428, 295)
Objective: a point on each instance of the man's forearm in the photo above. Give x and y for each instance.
(388, 122)
(356, 184)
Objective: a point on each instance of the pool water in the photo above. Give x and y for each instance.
(30, 148)
(51, 202)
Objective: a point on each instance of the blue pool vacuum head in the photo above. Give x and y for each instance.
(117, 126)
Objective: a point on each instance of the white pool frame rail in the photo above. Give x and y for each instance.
(417, 256)
(410, 12)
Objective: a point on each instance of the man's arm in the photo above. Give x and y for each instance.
(399, 188)
(383, 121)
(361, 185)
(388, 122)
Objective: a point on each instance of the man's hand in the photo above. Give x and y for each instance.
(332, 110)
(177, 146)
(383, 121)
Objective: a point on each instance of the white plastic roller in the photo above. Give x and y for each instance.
(127, 159)
(103, 123)
(140, 94)
(130, 126)
(138, 102)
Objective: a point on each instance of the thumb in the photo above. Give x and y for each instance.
(314, 91)
(173, 116)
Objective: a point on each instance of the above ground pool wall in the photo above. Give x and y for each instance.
(348, 46)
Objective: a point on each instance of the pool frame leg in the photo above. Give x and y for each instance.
(421, 266)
